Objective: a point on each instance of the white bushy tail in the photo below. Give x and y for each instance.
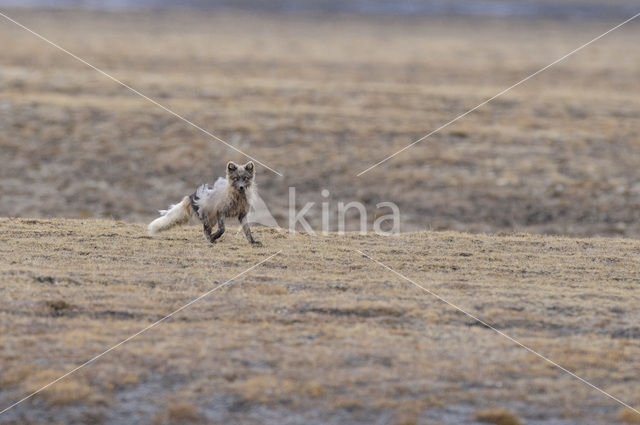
(176, 215)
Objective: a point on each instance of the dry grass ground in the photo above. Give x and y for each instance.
(318, 334)
(322, 98)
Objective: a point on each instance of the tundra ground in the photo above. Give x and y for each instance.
(320, 99)
(318, 334)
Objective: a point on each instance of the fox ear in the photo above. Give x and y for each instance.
(249, 166)
(232, 166)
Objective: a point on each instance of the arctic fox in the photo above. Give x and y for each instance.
(228, 198)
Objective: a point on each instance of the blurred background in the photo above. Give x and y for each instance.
(320, 91)
(534, 8)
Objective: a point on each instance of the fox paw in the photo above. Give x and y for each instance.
(256, 243)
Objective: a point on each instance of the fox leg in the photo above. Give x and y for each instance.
(207, 231)
(247, 229)
(218, 233)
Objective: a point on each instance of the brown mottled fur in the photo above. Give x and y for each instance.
(236, 201)
(212, 205)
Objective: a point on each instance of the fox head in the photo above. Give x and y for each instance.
(240, 176)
